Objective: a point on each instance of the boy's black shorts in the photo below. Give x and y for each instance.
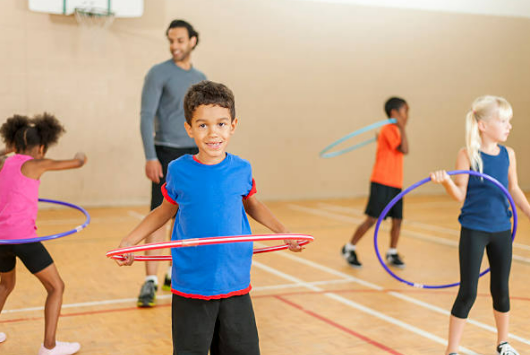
(166, 155)
(225, 327)
(380, 196)
(33, 255)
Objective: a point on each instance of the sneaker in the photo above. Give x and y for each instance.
(351, 257)
(2, 337)
(395, 260)
(61, 348)
(506, 349)
(453, 353)
(167, 283)
(147, 295)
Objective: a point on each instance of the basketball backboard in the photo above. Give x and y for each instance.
(120, 8)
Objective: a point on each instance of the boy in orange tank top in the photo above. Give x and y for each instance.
(386, 183)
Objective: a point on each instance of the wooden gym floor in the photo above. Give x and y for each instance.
(311, 303)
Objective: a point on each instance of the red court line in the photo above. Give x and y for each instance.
(338, 326)
(86, 313)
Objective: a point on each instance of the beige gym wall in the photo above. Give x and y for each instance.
(304, 74)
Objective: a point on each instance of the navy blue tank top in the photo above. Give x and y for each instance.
(486, 208)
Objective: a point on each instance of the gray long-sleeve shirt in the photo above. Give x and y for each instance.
(162, 107)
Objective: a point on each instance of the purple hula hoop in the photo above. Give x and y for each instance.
(54, 236)
(414, 186)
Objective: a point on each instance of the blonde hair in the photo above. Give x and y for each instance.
(484, 108)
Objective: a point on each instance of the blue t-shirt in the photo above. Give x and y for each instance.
(486, 207)
(210, 200)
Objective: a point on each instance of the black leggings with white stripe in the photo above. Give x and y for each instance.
(471, 249)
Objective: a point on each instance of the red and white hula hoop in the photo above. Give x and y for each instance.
(117, 254)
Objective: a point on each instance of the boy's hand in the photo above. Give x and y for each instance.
(400, 122)
(81, 157)
(293, 245)
(129, 258)
(439, 177)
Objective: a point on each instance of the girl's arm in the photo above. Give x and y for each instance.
(153, 221)
(36, 167)
(513, 185)
(258, 211)
(456, 189)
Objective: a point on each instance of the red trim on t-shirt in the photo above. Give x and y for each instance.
(214, 297)
(166, 195)
(197, 160)
(253, 190)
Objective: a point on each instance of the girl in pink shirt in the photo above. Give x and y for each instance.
(29, 139)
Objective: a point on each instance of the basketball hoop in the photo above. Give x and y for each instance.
(94, 17)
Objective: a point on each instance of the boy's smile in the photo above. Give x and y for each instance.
(211, 128)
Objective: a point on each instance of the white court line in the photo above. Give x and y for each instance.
(338, 273)
(135, 214)
(450, 231)
(348, 219)
(360, 307)
(167, 296)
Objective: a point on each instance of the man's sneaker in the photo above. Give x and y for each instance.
(506, 349)
(147, 294)
(167, 283)
(351, 257)
(2, 337)
(394, 260)
(61, 348)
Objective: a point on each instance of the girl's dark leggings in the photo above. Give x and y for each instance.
(498, 246)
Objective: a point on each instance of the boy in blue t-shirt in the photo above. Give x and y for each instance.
(210, 193)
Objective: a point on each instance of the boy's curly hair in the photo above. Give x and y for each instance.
(208, 93)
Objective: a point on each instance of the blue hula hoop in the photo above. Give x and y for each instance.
(324, 153)
(414, 186)
(53, 236)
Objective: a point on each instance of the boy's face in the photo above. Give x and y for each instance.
(211, 128)
(401, 114)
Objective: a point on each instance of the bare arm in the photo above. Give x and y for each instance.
(457, 189)
(513, 185)
(36, 167)
(153, 221)
(258, 211)
(404, 146)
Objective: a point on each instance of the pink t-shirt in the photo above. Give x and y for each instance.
(19, 196)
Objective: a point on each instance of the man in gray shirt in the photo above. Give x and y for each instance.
(163, 112)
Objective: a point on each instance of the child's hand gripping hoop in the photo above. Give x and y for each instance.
(324, 153)
(53, 236)
(117, 254)
(414, 186)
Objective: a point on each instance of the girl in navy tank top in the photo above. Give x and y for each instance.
(485, 216)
